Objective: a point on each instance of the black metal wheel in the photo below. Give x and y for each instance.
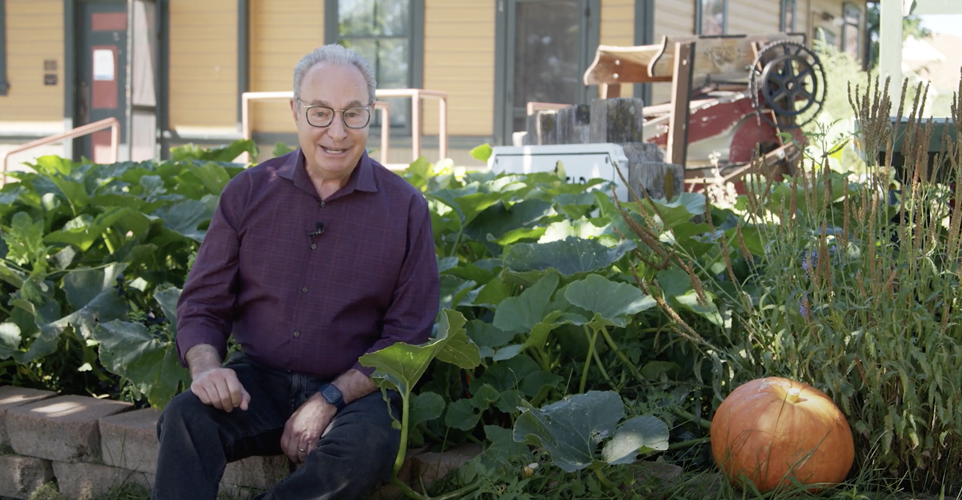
(788, 79)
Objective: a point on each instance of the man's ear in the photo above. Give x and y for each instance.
(294, 109)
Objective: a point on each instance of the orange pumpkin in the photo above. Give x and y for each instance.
(771, 429)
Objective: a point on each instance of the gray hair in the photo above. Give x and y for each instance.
(338, 56)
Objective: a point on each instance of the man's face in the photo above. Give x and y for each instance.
(333, 150)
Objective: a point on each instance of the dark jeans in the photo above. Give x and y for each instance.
(197, 441)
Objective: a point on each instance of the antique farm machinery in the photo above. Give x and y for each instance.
(732, 98)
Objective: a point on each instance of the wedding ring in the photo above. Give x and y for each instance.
(302, 450)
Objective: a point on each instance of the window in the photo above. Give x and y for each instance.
(383, 32)
(711, 17)
(851, 27)
(4, 86)
(788, 15)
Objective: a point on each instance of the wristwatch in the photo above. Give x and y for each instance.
(332, 395)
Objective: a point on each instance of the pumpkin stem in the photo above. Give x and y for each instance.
(793, 395)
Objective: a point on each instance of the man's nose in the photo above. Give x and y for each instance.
(337, 129)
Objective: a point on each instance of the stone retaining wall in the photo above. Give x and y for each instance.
(89, 446)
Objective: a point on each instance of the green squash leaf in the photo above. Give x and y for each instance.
(482, 152)
(639, 434)
(522, 313)
(425, 406)
(569, 256)
(9, 340)
(615, 302)
(152, 365)
(402, 365)
(571, 429)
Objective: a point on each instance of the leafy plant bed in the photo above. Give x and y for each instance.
(587, 335)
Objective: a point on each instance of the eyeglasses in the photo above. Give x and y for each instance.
(323, 116)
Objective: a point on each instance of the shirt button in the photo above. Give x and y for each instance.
(322, 204)
(297, 333)
(313, 246)
(304, 289)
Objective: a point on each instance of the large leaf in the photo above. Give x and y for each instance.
(84, 230)
(11, 276)
(151, 365)
(482, 152)
(9, 340)
(506, 375)
(213, 176)
(492, 293)
(522, 313)
(539, 333)
(582, 228)
(453, 291)
(425, 406)
(502, 218)
(225, 153)
(56, 170)
(635, 435)
(462, 414)
(24, 240)
(615, 302)
(569, 257)
(94, 300)
(167, 298)
(402, 365)
(501, 446)
(681, 209)
(485, 334)
(185, 217)
(679, 290)
(571, 429)
(468, 202)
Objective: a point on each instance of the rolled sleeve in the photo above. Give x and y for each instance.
(414, 304)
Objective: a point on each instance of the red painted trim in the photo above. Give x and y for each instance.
(108, 21)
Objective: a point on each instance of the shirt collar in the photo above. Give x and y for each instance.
(362, 178)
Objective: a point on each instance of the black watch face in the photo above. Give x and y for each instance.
(332, 395)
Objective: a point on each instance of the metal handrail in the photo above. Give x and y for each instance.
(80, 131)
(247, 126)
(415, 94)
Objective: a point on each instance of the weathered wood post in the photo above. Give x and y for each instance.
(621, 121)
(542, 128)
(574, 124)
(616, 120)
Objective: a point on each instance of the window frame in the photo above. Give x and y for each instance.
(4, 85)
(846, 25)
(700, 21)
(415, 56)
(783, 24)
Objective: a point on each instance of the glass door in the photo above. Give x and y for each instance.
(548, 45)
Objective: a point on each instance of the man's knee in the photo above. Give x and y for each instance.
(183, 404)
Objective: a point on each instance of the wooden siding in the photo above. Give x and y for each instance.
(751, 17)
(618, 28)
(203, 65)
(281, 33)
(459, 60)
(34, 34)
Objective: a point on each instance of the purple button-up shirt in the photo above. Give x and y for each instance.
(308, 301)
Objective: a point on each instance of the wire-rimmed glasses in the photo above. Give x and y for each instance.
(323, 116)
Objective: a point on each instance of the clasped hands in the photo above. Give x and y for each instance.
(220, 388)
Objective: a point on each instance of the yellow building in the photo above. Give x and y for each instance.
(172, 71)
